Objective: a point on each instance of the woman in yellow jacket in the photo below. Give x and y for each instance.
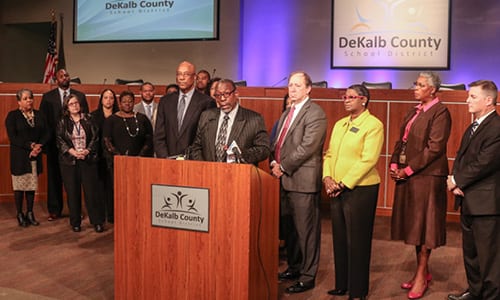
(352, 182)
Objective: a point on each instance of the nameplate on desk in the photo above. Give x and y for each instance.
(180, 207)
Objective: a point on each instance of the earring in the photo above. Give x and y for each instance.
(363, 104)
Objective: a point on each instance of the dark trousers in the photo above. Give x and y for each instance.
(353, 214)
(481, 247)
(301, 221)
(54, 181)
(78, 175)
(106, 188)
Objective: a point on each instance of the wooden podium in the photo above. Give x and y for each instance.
(236, 259)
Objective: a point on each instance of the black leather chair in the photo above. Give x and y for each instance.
(240, 83)
(320, 84)
(129, 82)
(452, 86)
(378, 85)
(75, 80)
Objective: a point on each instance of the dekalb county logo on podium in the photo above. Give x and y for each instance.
(180, 207)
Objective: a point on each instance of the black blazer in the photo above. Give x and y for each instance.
(248, 130)
(21, 135)
(64, 142)
(477, 169)
(168, 140)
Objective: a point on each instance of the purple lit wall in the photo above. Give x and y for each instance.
(281, 36)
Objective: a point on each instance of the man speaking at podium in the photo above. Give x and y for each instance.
(230, 133)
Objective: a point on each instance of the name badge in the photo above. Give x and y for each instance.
(354, 129)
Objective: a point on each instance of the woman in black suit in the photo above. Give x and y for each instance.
(28, 134)
(77, 140)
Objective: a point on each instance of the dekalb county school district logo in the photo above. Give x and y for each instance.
(180, 207)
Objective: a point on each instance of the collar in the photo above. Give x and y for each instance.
(480, 120)
(427, 106)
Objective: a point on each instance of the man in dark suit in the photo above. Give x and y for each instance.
(296, 161)
(475, 182)
(51, 107)
(244, 127)
(178, 114)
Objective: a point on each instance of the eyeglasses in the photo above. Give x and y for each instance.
(225, 94)
(185, 74)
(345, 97)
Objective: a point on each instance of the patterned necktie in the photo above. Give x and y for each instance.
(473, 128)
(65, 95)
(281, 138)
(180, 111)
(220, 152)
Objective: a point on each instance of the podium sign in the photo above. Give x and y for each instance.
(180, 207)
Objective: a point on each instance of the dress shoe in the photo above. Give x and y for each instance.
(337, 292)
(53, 217)
(22, 220)
(99, 228)
(463, 296)
(288, 275)
(299, 287)
(31, 219)
(418, 295)
(408, 285)
(77, 228)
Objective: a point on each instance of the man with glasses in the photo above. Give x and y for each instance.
(178, 114)
(229, 126)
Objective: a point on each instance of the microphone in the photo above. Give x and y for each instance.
(237, 154)
(283, 79)
(104, 82)
(213, 73)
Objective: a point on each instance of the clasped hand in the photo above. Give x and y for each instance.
(333, 188)
(398, 174)
(79, 154)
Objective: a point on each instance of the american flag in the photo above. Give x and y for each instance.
(51, 58)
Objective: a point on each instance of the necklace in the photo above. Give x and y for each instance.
(30, 118)
(136, 126)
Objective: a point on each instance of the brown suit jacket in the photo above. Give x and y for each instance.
(302, 149)
(427, 139)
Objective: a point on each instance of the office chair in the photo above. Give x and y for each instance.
(452, 86)
(320, 84)
(129, 82)
(240, 83)
(378, 85)
(75, 80)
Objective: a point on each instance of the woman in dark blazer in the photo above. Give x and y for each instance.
(419, 167)
(28, 134)
(77, 140)
(108, 105)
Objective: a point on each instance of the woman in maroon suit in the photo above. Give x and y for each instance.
(420, 167)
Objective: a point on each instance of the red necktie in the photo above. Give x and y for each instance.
(281, 138)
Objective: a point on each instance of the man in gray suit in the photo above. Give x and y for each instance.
(244, 127)
(297, 162)
(147, 105)
(178, 114)
(475, 182)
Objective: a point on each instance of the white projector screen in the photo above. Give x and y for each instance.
(393, 34)
(141, 20)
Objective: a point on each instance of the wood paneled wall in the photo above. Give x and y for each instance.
(389, 106)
